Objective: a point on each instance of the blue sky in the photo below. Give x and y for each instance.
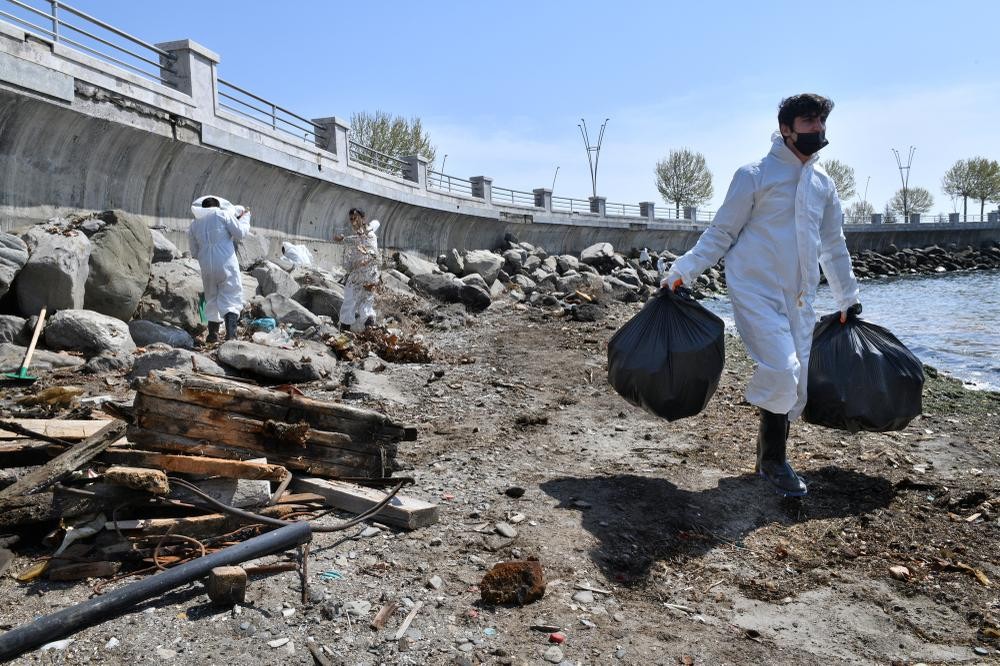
(501, 86)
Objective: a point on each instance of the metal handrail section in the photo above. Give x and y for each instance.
(568, 205)
(626, 210)
(516, 197)
(278, 117)
(445, 183)
(374, 159)
(56, 35)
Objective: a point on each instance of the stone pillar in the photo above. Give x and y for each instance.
(954, 218)
(597, 205)
(543, 198)
(691, 213)
(993, 218)
(648, 210)
(333, 136)
(416, 170)
(482, 188)
(193, 74)
(876, 218)
(914, 218)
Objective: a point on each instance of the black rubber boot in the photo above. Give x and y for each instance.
(231, 319)
(213, 331)
(771, 462)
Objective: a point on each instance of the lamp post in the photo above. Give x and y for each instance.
(554, 179)
(593, 152)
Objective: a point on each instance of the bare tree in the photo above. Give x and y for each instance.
(859, 212)
(843, 178)
(683, 178)
(958, 182)
(393, 136)
(985, 176)
(911, 200)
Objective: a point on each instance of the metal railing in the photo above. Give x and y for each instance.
(248, 105)
(567, 205)
(96, 37)
(515, 197)
(374, 159)
(445, 183)
(623, 209)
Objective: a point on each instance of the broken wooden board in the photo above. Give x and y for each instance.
(71, 430)
(208, 525)
(26, 453)
(42, 507)
(202, 465)
(406, 512)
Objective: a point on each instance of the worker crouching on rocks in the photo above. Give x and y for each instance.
(780, 222)
(362, 263)
(218, 225)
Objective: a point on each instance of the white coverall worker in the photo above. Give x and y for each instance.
(213, 236)
(362, 263)
(781, 220)
(297, 254)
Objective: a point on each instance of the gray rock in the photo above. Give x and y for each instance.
(506, 530)
(395, 281)
(538, 275)
(621, 291)
(551, 264)
(145, 333)
(450, 289)
(567, 262)
(526, 284)
(314, 276)
(163, 249)
(629, 276)
(530, 264)
(453, 262)
(514, 260)
(496, 289)
(553, 655)
(120, 257)
(411, 265)
(172, 295)
(273, 279)
(475, 280)
(287, 311)
(12, 355)
(108, 362)
(14, 329)
(357, 608)
(161, 357)
(584, 597)
(249, 285)
(13, 256)
(483, 263)
(321, 301)
(598, 254)
(284, 365)
(87, 332)
(435, 583)
(251, 250)
(56, 272)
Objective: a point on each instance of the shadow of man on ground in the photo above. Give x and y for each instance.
(640, 520)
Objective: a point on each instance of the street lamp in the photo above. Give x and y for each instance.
(554, 179)
(593, 152)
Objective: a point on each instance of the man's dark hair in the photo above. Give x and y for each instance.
(209, 202)
(355, 211)
(806, 104)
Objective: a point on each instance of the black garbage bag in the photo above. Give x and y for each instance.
(668, 358)
(861, 377)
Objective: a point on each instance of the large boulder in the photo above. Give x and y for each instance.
(483, 263)
(273, 279)
(12, 355)
(454, 262)
(87, 332)
(275, 364)
(172, 295)
(120, 256)
(14, 329)
(145, 333)
(13, 256)
(285, 310)
(252, 250)
(567, 262)
(600, 256)
(450, 289)
(321, 301)
(396, 282)
(163, 249)
(162, 357)
(411, 265)
(56, 272)
(313, 276)
(514, 260)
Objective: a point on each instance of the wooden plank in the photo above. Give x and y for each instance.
(406, 512)
(26, 452)
(212, 524)
(42, 507)
(71, 430)
(369, 467)
(230, 469)
(66, 462)
(359, 424)
(81, 570)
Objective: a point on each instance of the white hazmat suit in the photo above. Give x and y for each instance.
(780, 221)
(362, 263)
(213, 236)
(297, 254)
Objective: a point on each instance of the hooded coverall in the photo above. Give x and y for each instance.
(297, 254)
(781, 220)
(213, 236)
(361, 261)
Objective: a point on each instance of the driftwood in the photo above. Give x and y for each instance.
(43, 507)
(406, 512)
(230, 469)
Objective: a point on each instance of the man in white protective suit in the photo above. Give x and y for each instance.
(218, 225)
(781, 220)
(362, 263)
(297, 254)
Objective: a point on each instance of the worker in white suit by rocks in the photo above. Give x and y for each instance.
(363, 274)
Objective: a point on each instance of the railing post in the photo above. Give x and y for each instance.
(416, 170)
(914, 218)
(482, 188)
(876, 218)
(332, 137)
(543, 198)
(55, 20)
(954, 218)
(993, 218)
(193, 74)
(647, 209)
(599, 205)
(691, 213)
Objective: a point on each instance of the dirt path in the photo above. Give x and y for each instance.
(696, 560)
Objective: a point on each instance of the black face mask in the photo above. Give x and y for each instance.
(810, 142)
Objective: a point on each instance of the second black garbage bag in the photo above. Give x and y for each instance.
(668, 358)
(861, 377)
